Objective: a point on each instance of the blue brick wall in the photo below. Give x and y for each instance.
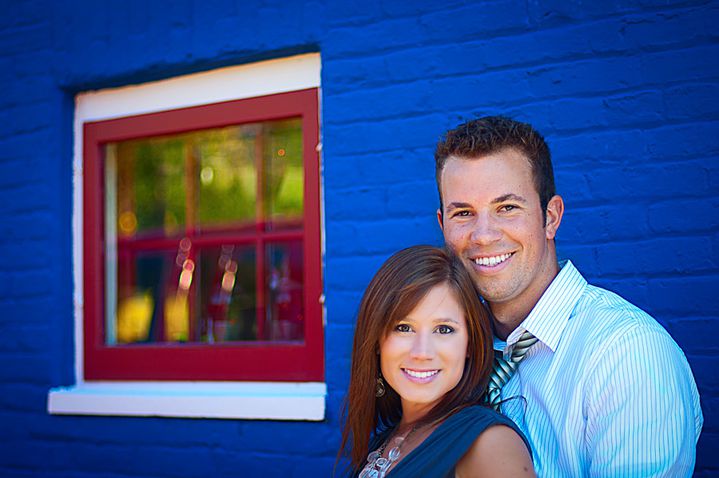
(625, 91)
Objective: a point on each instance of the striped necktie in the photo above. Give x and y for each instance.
(504, 369)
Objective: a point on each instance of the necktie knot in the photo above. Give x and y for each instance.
(504, 369)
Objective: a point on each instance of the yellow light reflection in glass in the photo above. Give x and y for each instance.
(133, 318)
(127, 222)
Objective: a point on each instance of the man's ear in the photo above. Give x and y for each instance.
(439, 220)
(555, 211)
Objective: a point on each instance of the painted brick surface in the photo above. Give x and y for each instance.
(625, 92)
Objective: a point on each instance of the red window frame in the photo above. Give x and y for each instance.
(267, 361)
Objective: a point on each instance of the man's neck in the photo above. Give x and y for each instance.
(508, 315)
(504, 326)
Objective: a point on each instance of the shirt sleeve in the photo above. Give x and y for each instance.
(642, 408)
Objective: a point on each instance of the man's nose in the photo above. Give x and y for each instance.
(485, 230)
(422, 347)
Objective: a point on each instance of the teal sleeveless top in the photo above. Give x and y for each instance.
(439, 453)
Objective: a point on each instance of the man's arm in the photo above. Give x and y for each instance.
(643, 417)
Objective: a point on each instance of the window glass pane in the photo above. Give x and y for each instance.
(208, 180)
(227, 176)
(186, 220)
(284, 174)
(145, 298)
(284, 310)
(168, 296)
(151, 186)
(227, 306)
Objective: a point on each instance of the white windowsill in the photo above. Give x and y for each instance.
(246, 400)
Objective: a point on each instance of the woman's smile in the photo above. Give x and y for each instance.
(420, 376)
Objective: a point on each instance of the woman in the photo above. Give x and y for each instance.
(421, 360)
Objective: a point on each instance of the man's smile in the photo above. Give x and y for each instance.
(492, 261)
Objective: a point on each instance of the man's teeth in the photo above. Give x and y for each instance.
(491, 261)
(415, 374)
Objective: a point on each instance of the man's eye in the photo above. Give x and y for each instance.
(445, 329)
(461, 214)
(403, 328)
(508, 207)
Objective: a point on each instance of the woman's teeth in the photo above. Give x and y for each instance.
(416, 374)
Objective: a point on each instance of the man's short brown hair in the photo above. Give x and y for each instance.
(490, 134)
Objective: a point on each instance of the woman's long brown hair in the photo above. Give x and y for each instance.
(399, 285)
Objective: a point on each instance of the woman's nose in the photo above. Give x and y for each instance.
(422, 347)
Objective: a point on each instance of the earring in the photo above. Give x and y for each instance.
(379, 392)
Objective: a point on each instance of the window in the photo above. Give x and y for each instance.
(202, 255)
(197, 245)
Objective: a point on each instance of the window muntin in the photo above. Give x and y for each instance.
(217, 254)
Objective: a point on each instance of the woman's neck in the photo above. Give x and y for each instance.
(414, 413)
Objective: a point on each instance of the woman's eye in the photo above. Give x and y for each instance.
(403, 328)
(445, 329)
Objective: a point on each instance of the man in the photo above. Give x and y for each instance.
(604, 390)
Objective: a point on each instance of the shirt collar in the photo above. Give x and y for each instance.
(548, 318)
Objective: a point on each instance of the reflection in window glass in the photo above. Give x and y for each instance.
(142, 299)
(228, 305)
(227, 172)
(186, 219)
(284, 311)
(285, 175)
(150, 186)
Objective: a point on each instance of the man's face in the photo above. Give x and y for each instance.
(493, 220)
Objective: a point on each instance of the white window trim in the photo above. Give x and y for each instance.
(246, 400)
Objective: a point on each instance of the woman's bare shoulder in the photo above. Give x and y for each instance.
(498, 451)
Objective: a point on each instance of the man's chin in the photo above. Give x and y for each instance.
(492, 295)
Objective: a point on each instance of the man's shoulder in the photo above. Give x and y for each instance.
(613, 333)
(606, 315)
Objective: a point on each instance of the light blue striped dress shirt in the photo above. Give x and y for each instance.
(605, 391)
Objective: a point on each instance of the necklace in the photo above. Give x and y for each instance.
(377, 465)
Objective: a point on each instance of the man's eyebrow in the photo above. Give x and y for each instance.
(458, 205)
(509, 197)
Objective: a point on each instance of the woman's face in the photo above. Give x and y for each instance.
(423, 356)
